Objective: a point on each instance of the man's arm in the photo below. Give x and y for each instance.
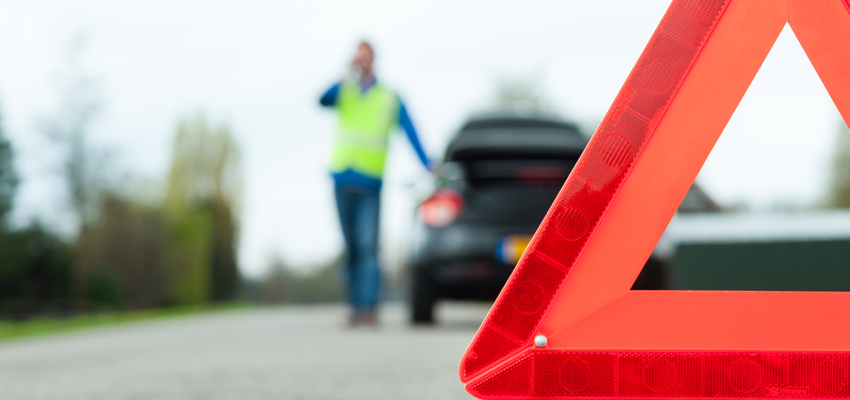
(329, 98)
(406, 124)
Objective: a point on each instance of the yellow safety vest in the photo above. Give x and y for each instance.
(365, 122)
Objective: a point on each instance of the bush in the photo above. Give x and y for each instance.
(35, 273)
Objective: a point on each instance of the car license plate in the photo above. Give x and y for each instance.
(510, 248)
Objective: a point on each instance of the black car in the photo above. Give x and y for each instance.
(499, 177)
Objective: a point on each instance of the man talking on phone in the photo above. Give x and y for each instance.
(368, 112)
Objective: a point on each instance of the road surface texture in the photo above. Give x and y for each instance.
(266, 353)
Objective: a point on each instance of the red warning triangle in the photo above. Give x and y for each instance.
(570, 291)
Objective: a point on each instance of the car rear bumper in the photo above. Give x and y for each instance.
(461, 259)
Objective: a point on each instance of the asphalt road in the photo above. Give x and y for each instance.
(268, 353)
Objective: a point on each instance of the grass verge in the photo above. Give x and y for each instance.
(39, 326)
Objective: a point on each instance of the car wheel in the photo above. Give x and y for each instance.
(422, 299)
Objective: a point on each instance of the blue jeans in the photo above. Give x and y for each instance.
(358, 215)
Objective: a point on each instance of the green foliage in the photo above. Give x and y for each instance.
(188, 258)
(119, 256)
(202, 203)
(839, 191)
(224, 273)
(205, 167)
(138, 256)
(180, 252)
(8, 175)
(35, 264)
(35, 272)
(44, 325)
(104, 289)
(128, 254)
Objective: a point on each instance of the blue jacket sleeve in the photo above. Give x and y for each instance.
(329, 98)
(406, 124)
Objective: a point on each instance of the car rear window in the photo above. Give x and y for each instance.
(515, 143)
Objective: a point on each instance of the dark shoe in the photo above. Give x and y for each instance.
(368, 318)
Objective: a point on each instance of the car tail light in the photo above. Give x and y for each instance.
(442, 208)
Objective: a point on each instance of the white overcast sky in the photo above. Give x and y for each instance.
(260, 66)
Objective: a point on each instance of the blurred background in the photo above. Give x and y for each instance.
(166, 154)
(156, 122)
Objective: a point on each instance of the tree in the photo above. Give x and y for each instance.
(123, 251)
(839, 191)
(35, 272)
(8, 177)
(202, 200)
(205, 167)
(83, 166)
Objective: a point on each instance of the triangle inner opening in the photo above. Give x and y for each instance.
(754, 220)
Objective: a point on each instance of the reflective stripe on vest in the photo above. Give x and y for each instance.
(365, 122)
